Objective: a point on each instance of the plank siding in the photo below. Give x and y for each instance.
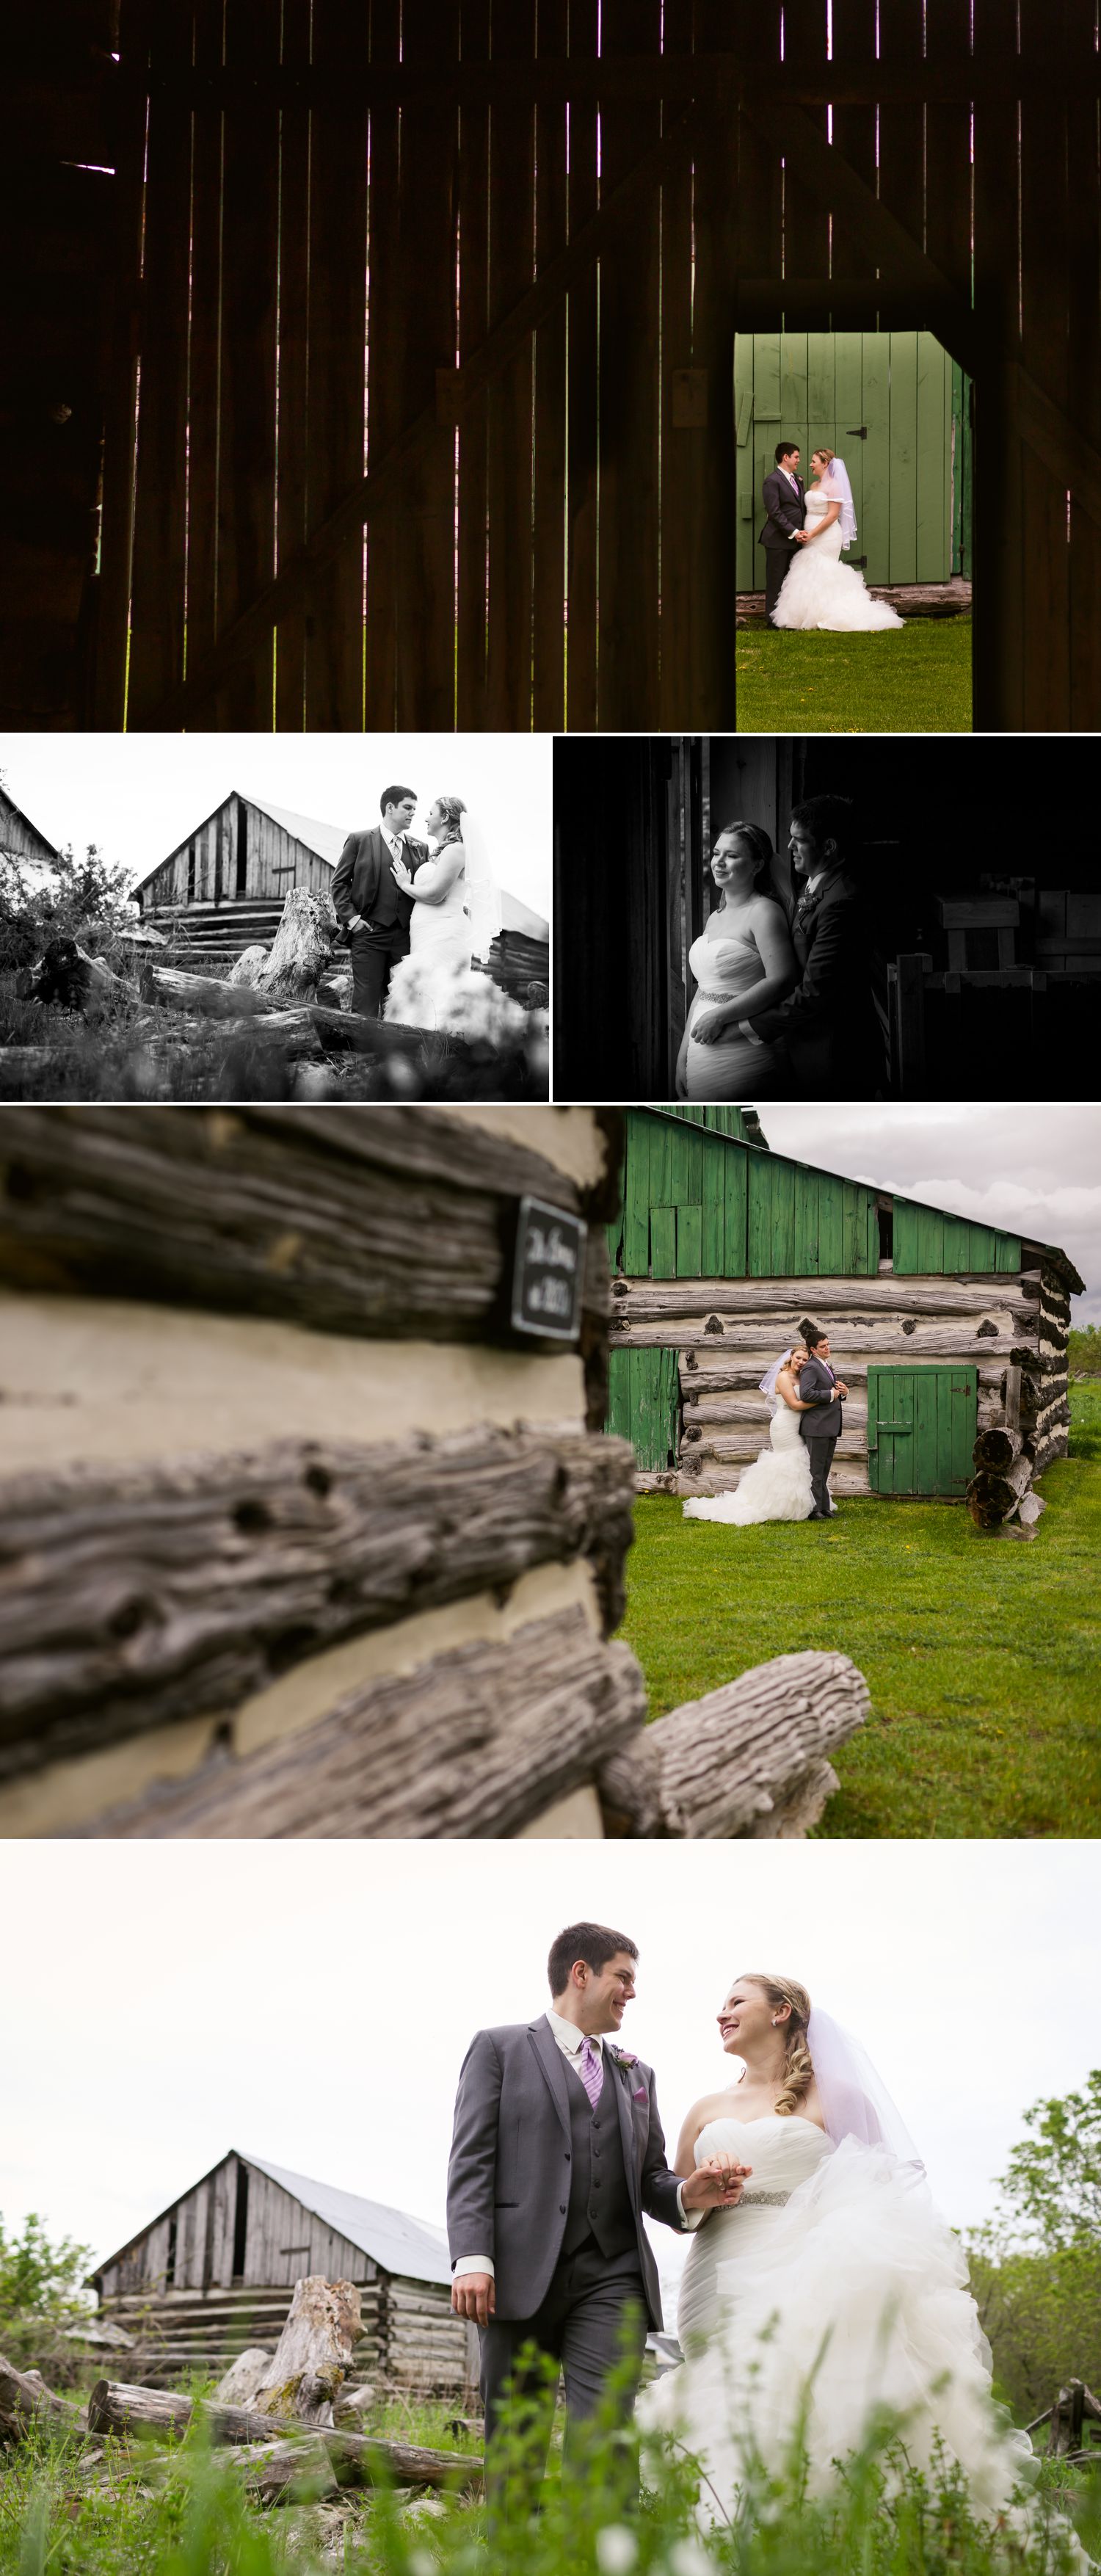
(328, 224)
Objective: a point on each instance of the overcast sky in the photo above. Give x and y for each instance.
(1032, 1167)
(137, 796)
(312, 2001)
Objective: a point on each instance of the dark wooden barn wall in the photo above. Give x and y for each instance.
(204, 867)
(283, 2242)
(364, 241)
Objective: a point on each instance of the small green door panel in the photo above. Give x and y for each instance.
(921, 1429)
(644, 1404)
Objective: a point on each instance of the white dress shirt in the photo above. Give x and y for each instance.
(571, 2042)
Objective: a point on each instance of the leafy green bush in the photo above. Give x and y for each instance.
(1036, 2267)
(1084, 1349)
(41, 2288)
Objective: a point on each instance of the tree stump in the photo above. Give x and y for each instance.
(314, 2352)
(290, 969)
(749, 1759)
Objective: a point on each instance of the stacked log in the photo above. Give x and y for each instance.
(422, 2347)
(1008, 1460)
(727, 1332)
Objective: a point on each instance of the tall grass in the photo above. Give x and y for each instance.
(63, 2512)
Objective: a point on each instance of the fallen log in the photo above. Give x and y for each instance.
(26, 2400)
(238, 2385)
(115, 2407)
(313, 2355)
(290, 2472)
(750, 1759)
(997, 1447)
(364, 2460)
(343, 1030)
(993, 1495)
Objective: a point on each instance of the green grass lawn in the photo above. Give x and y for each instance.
(982, 1653)
(916, 682)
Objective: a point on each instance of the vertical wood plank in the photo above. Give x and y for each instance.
(473, 203)
(902, 124)
(636, 1200)
(854, 129)
(735, 1193)
(630, 378)
(549, 443)
(426, 608)
(508, 412)
(385, 334)
(160, 514)
(806, 220)
(246, 428)
(999, 627)
(205, 352)
(1047, 219)
(904, 455)
(293, 415)
(338, 278)
(583, 375)
(708, 462)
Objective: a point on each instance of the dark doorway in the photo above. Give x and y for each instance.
(240, 2223)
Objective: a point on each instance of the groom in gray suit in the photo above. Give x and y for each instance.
(552, 2106)
(820, 1387)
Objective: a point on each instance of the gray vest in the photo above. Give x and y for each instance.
(386, 908)
(599, 2202)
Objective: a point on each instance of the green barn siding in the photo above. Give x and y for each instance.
(921, 1429)
(925, 1239)
(644, 1404)
(699, 1204)
(910, 475)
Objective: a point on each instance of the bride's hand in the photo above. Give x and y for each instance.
(717, 2183)
(709, 1026)
(400, 874)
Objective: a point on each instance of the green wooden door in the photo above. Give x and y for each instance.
(921, 1429)
(909, 468)
(644, 1404)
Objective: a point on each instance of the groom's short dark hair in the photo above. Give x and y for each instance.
(828, 817)
(592, 1942)
(787, 447)
(395, 796)
(812, 1334)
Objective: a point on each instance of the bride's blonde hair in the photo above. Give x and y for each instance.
(798, 2068)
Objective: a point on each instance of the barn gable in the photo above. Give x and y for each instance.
(21, 839)
(255, 2222)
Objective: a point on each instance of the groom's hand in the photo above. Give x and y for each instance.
(472, 2297)
(709, 1026)
(718, 2184)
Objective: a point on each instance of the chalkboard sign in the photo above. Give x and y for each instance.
(549, 1271)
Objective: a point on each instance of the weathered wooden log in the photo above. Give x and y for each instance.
(238, 2384)
(751, 1407)
(350, 2405)
(996, 1448)
(289, 2472)
(750, 1759)
(744, 1441)
(994, 1494)
(289, 970)
(140, 1593)
(361, 2460)
(313, 2356)
(705, 1374)
(26, 2400)
(117, 2407)
(827, 1300)
(885, 1340)
(698, 1473)
(342, 1030)
(399, 1223)
(474, 1743)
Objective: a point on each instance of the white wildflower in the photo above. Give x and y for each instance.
(616, 2550)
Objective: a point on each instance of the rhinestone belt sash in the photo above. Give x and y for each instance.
(763, 2199)
(702, 996)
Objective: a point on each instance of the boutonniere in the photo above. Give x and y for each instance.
(621, 2057)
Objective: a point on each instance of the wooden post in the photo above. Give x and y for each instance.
(909, 1069)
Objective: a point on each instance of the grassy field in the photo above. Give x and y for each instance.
(983, 1653)
(916, 682)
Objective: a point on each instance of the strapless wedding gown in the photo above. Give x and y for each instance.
(776, 1487)
(820, 590)
(836, 2285)
(427, 988)
(733, 1067)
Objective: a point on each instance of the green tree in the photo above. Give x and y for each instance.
(1084, 1349)
(1036, 2267)
(40, 2285)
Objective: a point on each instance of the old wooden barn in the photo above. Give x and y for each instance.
(214, 2272)
(21, 840)
(952, 1336)
(226, 884)
(526, 316)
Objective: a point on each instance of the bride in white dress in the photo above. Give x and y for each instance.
(743, 962)
(777, 1486)
(456, 915)
(833, 2294)
(818, 589)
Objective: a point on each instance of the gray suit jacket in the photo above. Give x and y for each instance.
(784, 509)
(363, 862)
(509, 2166)
(816, 1387)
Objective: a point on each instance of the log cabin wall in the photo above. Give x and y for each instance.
(721, 1246)
(523, 316)
(338, 1552)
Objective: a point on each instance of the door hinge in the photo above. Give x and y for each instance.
(856, 433)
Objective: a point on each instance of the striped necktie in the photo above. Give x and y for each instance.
(591, 2071)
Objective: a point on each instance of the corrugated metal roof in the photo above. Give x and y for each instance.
(399, 2243)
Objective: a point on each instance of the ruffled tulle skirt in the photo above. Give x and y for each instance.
(775, 1488)
(850, 2302)
(823, 592)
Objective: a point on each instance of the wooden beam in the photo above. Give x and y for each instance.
(672, 78)
(377, 489)
(902, 263)
(1057, 441)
